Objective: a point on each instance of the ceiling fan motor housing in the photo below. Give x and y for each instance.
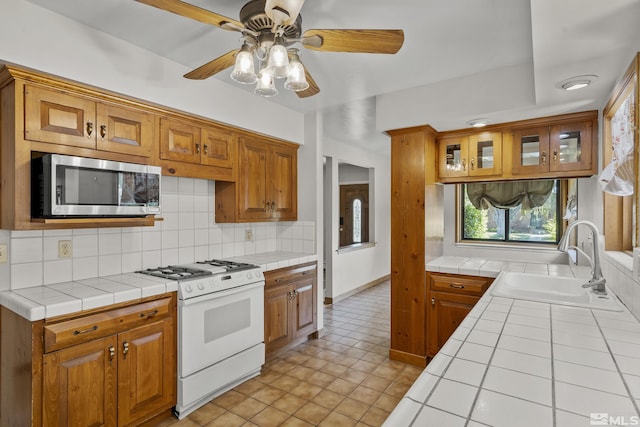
(254, 18)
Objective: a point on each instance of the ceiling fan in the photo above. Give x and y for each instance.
(269, 28)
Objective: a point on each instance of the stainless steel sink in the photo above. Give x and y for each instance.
(552, 289)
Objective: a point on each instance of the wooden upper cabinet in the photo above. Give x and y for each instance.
(60, 118)
(124, 130)
(564, 147)
(179, 141)
(189, 142)
(476, 155)
(267, 184)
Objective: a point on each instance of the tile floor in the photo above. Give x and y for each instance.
(344, 378)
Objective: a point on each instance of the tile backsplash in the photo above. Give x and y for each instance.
(187, 234)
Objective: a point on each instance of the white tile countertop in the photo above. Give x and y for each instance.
(516, 362)
(41, 302)
(491, 267)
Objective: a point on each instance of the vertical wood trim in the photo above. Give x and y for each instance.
(408, 287)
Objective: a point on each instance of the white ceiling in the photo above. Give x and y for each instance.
(445, 41)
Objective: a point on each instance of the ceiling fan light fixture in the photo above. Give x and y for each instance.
(279, 59)
(283, 12)
(296, 79)
(244, 68)
(265, 86)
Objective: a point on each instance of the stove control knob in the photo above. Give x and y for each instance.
(188, 288)
(201, 286)
(249, 275)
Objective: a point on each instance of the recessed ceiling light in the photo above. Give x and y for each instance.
(478, 123)
(577, 82)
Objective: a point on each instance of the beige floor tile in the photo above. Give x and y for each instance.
(248, 408)
(289, 403)
(206, 413)
(249, 387)
(286, 383)
(306, 390)
(269, 417)
(336, 419)
(352, 408)
(328, 399)
(398, 388)
(377, 383)
(374, 417)
(334, 369)
(341, 386)
(364, 366)
(321, 379)
(312, 413)
(354, 376)
(365, 394)
(295, 422)
(227, 419)
(315, 363)
(229, 399)
(269, 376)
(268, 394)
(301, 372)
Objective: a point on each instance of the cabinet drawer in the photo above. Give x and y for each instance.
(468, 285)
(83, 329)
(289, 274)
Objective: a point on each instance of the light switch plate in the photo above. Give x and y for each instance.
(3, 253)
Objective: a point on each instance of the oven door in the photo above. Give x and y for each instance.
(215, 326)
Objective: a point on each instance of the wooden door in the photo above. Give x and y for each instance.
(530, 151)
(79, 385)
(218, 148)
(485, 154)
(58, 118)
(283, 174)
(453, 154)
(146, 371)
(253, 195)
(179, 141)
(124, 130)
(304, 307)
(445, 312)
(277, 324)
(570, 146)
(354, 197)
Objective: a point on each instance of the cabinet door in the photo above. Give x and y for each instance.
(146, 371)
(124, 130)
(304, 314)
(485, 154)
(179, 141)
(59, 118)
(218, 148)
(253, 179)
(79, 385)
(283, 174)
(277, 324)
(570, 146)
(445, 313)
(531, 151)
(453, 154)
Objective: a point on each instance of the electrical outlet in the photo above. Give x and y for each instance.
(64, 248)
(3, 253)
(248, 235)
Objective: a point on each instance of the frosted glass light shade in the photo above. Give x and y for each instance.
(278, 61)
(296, 79)
(265, 86)
(243, 70)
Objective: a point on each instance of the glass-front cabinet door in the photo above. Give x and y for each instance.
(531, 150)
(453, 157)
(570, 147)
(485, 154)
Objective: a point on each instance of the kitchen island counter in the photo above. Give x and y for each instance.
(517, 362)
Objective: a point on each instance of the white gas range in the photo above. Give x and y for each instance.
(220, 328)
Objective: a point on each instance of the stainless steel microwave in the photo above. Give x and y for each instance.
(68, 186)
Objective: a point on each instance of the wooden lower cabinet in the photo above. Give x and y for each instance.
(450, 298)
(291, 306)
(122, 374)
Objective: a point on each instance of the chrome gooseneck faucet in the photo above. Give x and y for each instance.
(597, 281)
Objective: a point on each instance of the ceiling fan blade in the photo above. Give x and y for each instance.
(194, 12)
(213, 67)
(365, 41)
(312, 89)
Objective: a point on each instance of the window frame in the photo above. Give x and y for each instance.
(561, 203)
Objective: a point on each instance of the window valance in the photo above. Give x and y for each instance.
(506, 195)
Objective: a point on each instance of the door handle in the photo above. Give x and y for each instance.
(89, 129)
(125, 349)
(103, 131)
(433, 301)
(112, 353)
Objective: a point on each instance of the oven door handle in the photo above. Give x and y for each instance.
(221, 294)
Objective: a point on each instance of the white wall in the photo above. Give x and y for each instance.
(351, 270)
(40, 39)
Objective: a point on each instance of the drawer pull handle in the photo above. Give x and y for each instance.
(456, 285)
(433, 301)
(112, 352)
(89, 129)
(149, 314)
(279, 280)
(103, 131)
(84, 331)
(125, 349)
